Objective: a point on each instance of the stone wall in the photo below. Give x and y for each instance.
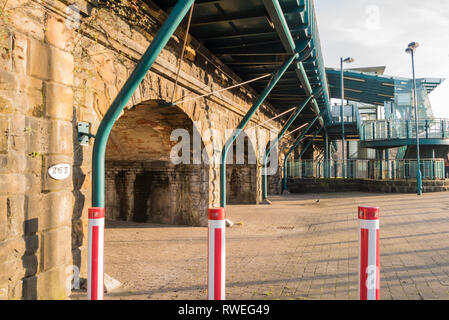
(242, 184)
(366, 185)
(156, 191)
(36, 127)
(63, 62)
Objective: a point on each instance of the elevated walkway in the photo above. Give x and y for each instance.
(382, 134)
(432, 169)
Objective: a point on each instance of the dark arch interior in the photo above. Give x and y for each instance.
(241, 173)
(142, 183)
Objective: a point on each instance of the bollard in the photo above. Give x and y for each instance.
(95, 270)
(216, 254)
(369, 267)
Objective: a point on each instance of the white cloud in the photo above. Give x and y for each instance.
(376, 32)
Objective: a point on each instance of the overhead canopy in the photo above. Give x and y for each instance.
(431, 83)
(245, 36)
(370, 87)
(361, 87)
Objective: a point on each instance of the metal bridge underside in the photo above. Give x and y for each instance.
(244, 37)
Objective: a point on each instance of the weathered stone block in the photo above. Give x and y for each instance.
(13, 162)
(59, 101)
(15, 213)
(50, 63)
(12, 184)
(53, 284)
(6, 103)
(58, 33)
(5, 52)
(4, 291)
(19, 54)
(4, 138)
(12, 250)
(55, 248)
(17, 82)
(15, 291)
(61, 138)
(58, 210)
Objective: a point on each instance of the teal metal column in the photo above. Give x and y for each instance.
(387, 158)
(433, 164)
(106, 124)
(295, 145)
(415, 102)
(326, 155)
(243, 123)
(275, 142)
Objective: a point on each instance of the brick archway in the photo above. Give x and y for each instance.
(142, 183)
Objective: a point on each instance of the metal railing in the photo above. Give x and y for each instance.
(351, 113)
(404, 129)
(432, 169)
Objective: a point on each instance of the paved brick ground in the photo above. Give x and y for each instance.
(297, 248)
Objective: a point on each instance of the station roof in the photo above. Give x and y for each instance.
(371, 88)
(246, 38)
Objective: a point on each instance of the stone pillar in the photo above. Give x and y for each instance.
(36, 114)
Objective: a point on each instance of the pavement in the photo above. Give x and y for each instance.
(300, 247)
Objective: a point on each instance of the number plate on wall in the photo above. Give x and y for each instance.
(59, 171)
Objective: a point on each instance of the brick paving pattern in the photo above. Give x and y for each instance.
(297, 248)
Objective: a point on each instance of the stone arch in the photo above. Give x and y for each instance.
(142, 182)
(242, 183)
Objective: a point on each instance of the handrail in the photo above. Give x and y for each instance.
(432, 169)
(402, 129)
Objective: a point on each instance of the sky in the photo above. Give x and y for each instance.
(377, 32)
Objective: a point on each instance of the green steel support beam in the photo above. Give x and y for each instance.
(294, 146)
(128, 89)
(277, 17)
(275, 142)
(317, 132)
(244, 122)
(326, 155)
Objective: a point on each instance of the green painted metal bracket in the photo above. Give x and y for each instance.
(160, 40)
(244, 122)
(84, 133)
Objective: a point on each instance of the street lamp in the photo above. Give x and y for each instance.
(347, 60)
(411, 50)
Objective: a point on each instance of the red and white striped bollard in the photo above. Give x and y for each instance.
(95, 268)
(216, 254)
(369, 266)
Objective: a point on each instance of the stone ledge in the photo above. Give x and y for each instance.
(384, 186)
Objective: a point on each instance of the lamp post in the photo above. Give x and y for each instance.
(411, 50)
(347, 60)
